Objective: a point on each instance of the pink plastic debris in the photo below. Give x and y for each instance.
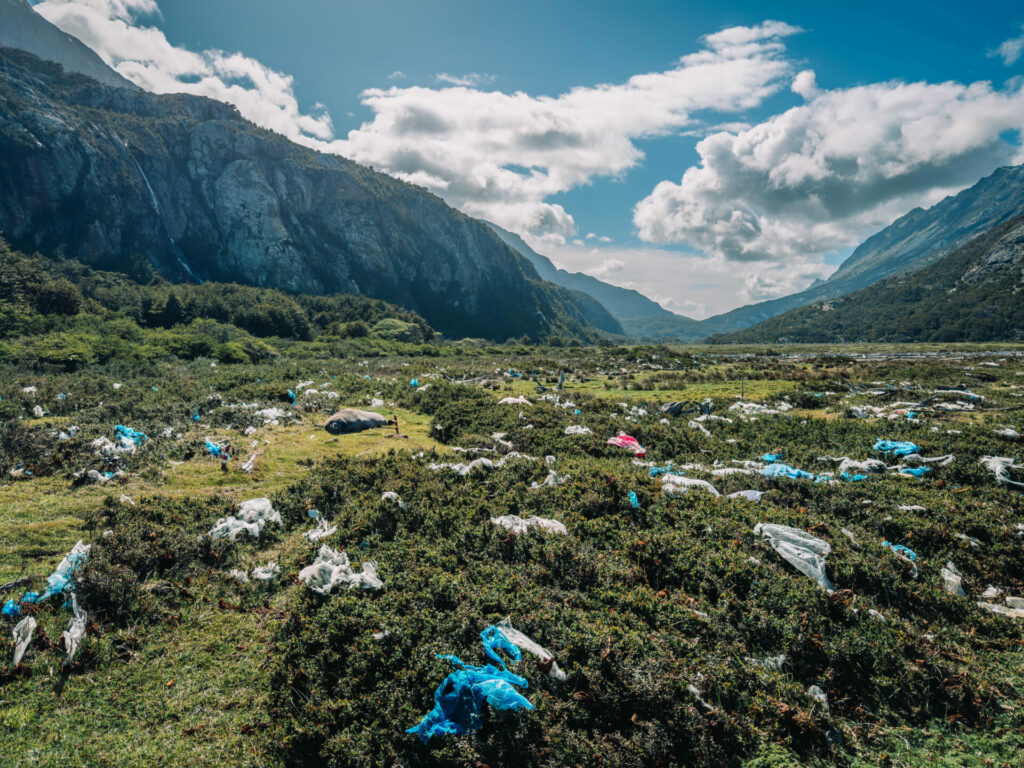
(629, 443)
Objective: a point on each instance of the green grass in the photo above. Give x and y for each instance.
(273, 676)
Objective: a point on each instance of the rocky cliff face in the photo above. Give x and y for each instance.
(121, 178)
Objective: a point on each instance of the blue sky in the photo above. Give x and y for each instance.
(796, 175)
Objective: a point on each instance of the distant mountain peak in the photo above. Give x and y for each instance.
(22, 28)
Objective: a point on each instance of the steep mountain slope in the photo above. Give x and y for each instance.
(23, 28)
(638, 315)
(972, 294)
(913, 241)
(128, 180)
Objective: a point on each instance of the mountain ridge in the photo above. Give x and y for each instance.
(112, 176)
(970, 294)
(639, 316)
(24, 29)
(913, 241)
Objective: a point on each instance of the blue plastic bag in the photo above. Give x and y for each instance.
(414, 383)
(291, 397)
(899, 549)
(459, 699)
(853, 478)
(896, 447)
(784, 470)
(915, 471)
(134, 435)
(634, 502)
(772, 458)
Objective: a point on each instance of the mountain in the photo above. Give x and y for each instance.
(23, 28)
(125, 180)
(913, 241)
(638, 315)
(971, 294)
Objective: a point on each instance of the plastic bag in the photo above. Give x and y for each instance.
(785, 470)
(518, 524)
(676, 485)
(952, 581)
(322, 531)
(1000, 466)
(459, 699)
(331, 568)
(546, 659)
(252, 516)
(23, 632)
(622, 440)
(62, 579)
(266, 572)
(896, 448)
(553, 480)
(754, 496)
(801, 550)
(904, 553)
(75, 631)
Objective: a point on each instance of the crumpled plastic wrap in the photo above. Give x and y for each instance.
(518, 524)
(332, 568)
(252, 516)
(800, 549)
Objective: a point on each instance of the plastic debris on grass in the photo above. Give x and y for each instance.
(266, 572)
(521, 400)
(464, 468)
(622, 440)
(896, 448)
(252, 516)
(1000, 466)
(332, 568)
(952, 580)
(459, 699)
(904, 553)
(22, 632)
(393, 498)
(677, 485)
(576, 429)
(517, 524)
(322, 531)
(800, 549)
(75, 631)
(754, 496)
(785, 470)
(545, 659)
(62, 579)
(1013, 611)
(553, 480)
(271, 416)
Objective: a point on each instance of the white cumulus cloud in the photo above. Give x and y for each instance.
(821, 176)
(501, 155)
(1010, 50)
(116, 30)
(467, 81)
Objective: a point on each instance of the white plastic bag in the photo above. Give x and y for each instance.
(75, 631)
(332, 568)
(518, 524)
(23, 632)
(801, 550)
(524, 643)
